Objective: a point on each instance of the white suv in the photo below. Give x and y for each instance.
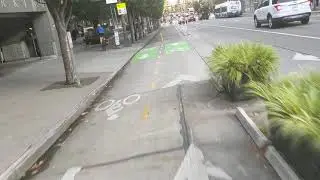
(275, 11)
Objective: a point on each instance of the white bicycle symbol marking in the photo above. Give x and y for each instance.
(112, 107)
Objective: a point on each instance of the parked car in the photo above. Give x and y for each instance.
(182, 20)
(191, 18)
(273, 12)
(91, 37)
(204, 16)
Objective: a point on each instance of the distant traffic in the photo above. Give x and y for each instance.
(230, 8)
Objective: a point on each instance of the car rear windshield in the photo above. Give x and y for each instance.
(281, 1)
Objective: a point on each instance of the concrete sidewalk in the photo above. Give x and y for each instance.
(226, 146)
(35, 111)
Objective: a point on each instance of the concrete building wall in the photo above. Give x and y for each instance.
(15, 51)
(43, 26)
(14, 6)
(46, 34)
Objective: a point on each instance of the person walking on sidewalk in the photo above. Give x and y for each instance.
(1, 56)
(100, 32)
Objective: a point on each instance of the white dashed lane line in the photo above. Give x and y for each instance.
(267, 32)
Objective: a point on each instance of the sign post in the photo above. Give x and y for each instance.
(111, 1)
(115, 21)
(122, 11)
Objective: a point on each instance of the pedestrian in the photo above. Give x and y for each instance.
(74, 34)
(100, 32)
(1, 56)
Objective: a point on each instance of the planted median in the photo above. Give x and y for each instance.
(245, 71)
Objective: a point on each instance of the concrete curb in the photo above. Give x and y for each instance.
(18, 168)
(282, 168)
(252, 129)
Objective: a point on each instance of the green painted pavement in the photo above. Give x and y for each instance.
(146, 54)
(154, 52)
(176, 47)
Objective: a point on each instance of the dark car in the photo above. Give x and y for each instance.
(191, 18)
(182, 20)
(204, 16)
(91, 37)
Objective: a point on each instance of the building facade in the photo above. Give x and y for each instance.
(26, 30)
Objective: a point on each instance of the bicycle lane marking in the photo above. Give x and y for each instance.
(113, 107)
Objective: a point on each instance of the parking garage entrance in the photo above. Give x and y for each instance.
(27, 30)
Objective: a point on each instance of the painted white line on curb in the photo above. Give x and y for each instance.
(267, 32)
(71, 173)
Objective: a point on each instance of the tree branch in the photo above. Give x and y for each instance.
(63, 6)
(51, 4)
(68, 14)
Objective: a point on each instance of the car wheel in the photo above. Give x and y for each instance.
(257, 24)
(305, 21)
(270, 22)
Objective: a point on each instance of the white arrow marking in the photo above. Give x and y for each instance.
(304, 57)
(193, 167)
(216, 172)
(181, 78)
(71, 173)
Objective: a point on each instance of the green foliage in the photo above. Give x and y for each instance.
(196, 6)
(293, 106)
(94, 10)
(90, 11)
(147, 8)
(238, 64)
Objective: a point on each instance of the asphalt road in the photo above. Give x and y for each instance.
(297, 45)
(135, 129)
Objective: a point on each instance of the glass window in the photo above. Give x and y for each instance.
(281, 1)
(266, 3)
(224, 9)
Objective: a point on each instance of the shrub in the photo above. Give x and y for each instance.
(237, 64)
(293, 106)
(294, 114)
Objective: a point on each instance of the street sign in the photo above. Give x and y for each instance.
(116, 38)
(111, 1)
(122, 9)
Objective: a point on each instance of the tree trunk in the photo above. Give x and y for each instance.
(124, 28)
(61, 12)
(67, 55)
(140, 27)
(130, 19)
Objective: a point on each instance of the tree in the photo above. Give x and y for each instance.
(196, 6)
(61, 11)
(86, 10)
(204, 7)
(144, 13)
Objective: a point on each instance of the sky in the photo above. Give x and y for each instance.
(171, 2)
